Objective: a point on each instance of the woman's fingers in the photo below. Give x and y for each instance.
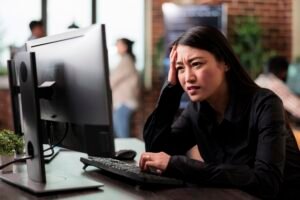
(154, 162)
(172, 70)
(144, 158)
(150, 166)
(173, 52)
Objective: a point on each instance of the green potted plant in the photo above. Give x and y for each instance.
(3, 71)
(247, 44)
(10, 144)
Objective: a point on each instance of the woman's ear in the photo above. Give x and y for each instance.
(226, 67)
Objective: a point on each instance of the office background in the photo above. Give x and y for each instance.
(142, 21)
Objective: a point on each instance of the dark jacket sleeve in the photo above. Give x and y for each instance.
(161, 133)
(264, 177)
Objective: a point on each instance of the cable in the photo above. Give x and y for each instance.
(57, 143)
(51, 154)
(15, 161)
(49, 127)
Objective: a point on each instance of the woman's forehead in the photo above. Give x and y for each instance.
(186, 52)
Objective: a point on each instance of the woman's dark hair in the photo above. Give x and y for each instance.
(212, 40)
(129, 45)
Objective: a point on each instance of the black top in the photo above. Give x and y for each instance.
(252, 148)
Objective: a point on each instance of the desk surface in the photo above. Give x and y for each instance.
(68, 162)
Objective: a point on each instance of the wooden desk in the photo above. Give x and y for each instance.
(68, 162)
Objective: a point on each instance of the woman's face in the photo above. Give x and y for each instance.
(199, 73)
(121, 47)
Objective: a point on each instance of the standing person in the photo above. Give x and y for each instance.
(37, 29)
(239, 128)
(124, 81)
(274, 79)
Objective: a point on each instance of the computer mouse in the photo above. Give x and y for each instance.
(125, 154)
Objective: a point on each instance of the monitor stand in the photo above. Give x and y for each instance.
(35, 179)
(54, 183)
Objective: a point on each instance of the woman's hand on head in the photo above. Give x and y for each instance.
(157, 161)
(172, 76)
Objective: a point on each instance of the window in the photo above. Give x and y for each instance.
(123, 19)
(63, 13)
(15, 16)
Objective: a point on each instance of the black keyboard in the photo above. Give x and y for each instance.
(130, 171)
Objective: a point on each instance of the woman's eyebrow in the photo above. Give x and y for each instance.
(190, 60)
(179, 63)
(195, 58)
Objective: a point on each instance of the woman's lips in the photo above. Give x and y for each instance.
(193, 89)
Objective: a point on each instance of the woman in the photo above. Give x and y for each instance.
(124, 82)
(240, 129)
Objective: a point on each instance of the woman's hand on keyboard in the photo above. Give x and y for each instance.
(157, 162)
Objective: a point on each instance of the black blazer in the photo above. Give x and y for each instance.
(252, 148)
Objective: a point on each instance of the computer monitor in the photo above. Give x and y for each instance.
(64, 79)
(77, 62)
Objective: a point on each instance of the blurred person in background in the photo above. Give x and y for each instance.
(275, 80)
(37, 29)
(124, 81)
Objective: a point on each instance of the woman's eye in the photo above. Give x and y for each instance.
(180, 69)
(197, 64)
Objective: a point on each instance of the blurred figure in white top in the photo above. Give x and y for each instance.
(274, 79)
(125, 86)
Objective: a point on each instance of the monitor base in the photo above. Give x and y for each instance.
(55, 183)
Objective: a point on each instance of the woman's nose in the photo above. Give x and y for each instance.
(189, 75)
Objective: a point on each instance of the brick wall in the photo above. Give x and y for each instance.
(5, 110)
(274, 16)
